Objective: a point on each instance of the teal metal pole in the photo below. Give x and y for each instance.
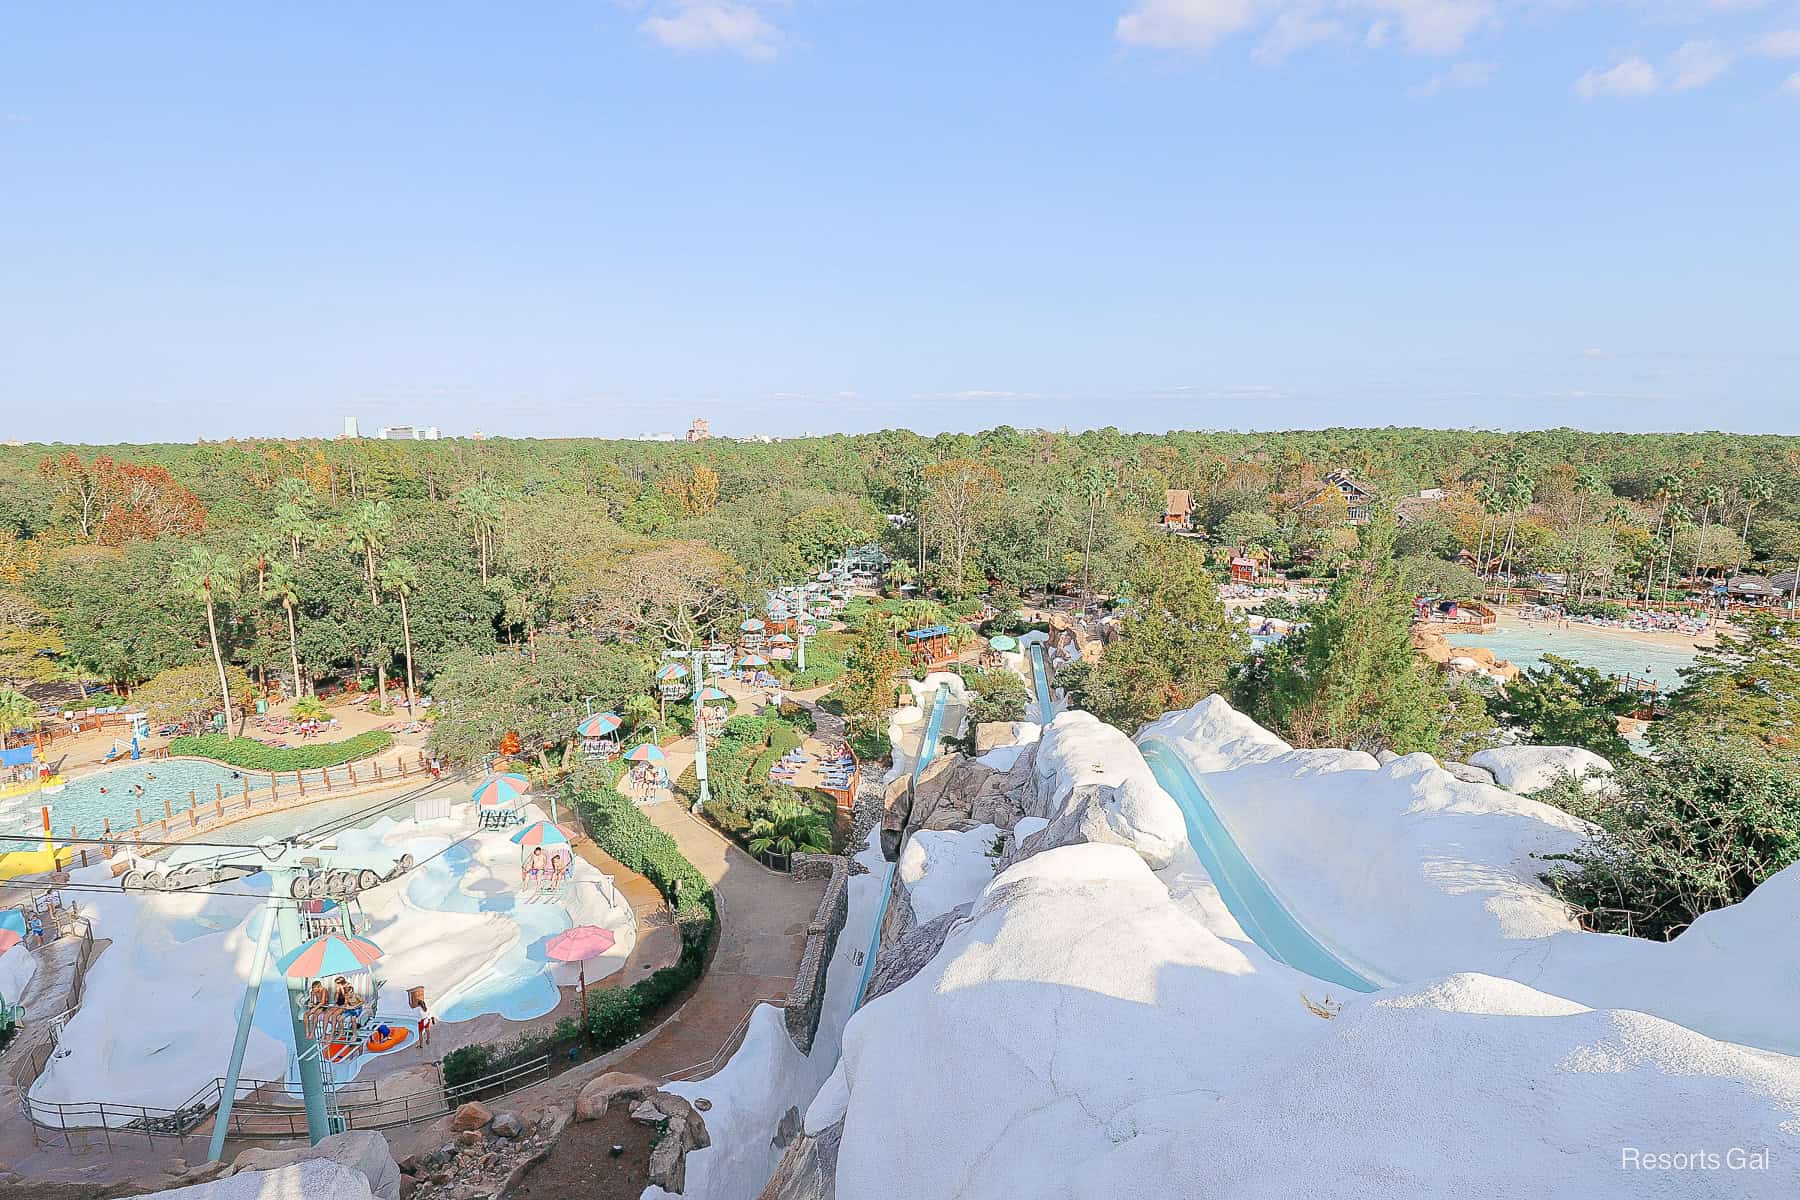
(700, 732)
(259, 965)
(312, 1080)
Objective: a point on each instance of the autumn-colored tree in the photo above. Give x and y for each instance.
(146, 503)
(697, 493)
(115, 502)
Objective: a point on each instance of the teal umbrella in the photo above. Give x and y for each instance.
(1003, 643)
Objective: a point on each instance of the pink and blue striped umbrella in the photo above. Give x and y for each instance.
(599, 725)
(328, 955)
(709, 692)
(501, 791)
(646, 752)
(753, 660)
(540, 833)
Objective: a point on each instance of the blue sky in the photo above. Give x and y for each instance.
(786, 215)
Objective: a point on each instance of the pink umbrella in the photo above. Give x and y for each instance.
(579, 944)
(8, 939)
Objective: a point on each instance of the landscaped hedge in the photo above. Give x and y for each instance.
(253, 755)
(621, 829)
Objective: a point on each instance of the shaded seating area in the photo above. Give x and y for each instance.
(930, 645)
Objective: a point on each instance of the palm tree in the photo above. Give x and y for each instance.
(1712, 498)
(16, 712)
(368, 525)
(294, 524)
(1757, 490)
(1589, 482)
(281, 587)
(1092, 487)
(1517, 496)
(1679, 518)
(787, 828)
(1667, 488)
(259, 549)
(401, 577)
(480, 506)
(207, 576)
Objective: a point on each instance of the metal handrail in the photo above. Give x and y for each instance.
(734, 1039)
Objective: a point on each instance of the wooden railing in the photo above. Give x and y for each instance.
(283, 789)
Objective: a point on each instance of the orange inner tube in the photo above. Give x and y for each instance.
(377, 1043)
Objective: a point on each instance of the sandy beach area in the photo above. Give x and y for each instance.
(1510, 618)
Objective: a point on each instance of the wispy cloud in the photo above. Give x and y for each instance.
(1421, 26)
(1462, 75)
(1693, 65)
(1791, 85)
(1631, 77)
(701, 26)
(1697, 64)
(1782, 43)
(1183, 24)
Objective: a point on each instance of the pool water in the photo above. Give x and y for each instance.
(519, 986)
(84, 806)
(1525, 646)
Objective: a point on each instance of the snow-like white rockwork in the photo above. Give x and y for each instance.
(1081, 756)
(1081, 1035)
(1415, 873)
(1526, 769)
(17, 966)
(1092, 1031)
(942, 868)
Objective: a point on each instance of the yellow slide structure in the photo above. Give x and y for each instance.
(15, 863)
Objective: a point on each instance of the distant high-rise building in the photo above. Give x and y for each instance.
(410, 433)
(350, 428)
(699, 431)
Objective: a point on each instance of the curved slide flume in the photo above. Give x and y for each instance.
(1041, 678)
(1263, 917)
(934, 728)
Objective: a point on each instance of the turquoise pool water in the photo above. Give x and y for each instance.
(83, 805)
(1611, 654)
(519, 987)
(1262, 916)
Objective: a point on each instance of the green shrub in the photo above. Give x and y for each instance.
(613, 1016)
(253, 755)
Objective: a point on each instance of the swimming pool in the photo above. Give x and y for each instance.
(83, 804)
(1525, 646)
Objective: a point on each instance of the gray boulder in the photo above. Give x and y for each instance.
(360, 1150)
(1469, 773)
(311, 1179)
(600, 1092)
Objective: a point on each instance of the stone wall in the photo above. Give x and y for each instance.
(808, 993)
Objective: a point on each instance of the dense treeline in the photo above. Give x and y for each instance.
(384, 561)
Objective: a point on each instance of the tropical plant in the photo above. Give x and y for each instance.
(206, 575)
(787, 828)
(479, 504)
(16, 712)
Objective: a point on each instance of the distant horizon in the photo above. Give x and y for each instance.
(678, 436)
